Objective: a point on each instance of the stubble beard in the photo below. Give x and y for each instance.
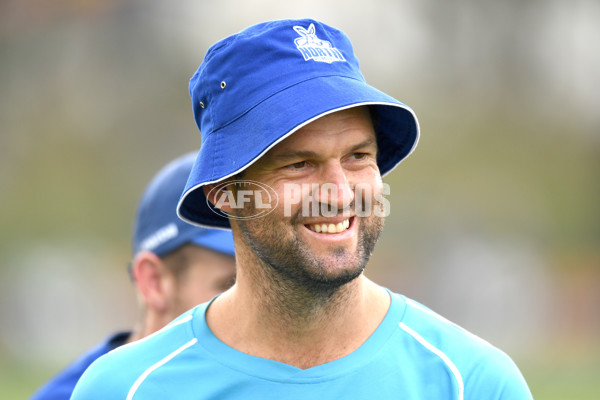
(291, 269)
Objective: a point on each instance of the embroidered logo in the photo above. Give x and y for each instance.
(313, 48)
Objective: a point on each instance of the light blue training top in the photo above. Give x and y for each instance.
(413, 354)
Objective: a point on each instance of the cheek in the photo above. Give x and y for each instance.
(292, 196)
(258, 202)
(369, 181)
(369, 196)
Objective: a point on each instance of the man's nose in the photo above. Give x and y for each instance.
(335, 188)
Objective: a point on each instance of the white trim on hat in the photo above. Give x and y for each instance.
(285, 136)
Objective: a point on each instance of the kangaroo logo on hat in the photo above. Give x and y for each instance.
(313, 48)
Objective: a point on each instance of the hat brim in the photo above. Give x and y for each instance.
(232, 148)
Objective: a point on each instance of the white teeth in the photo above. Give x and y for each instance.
(331, 228)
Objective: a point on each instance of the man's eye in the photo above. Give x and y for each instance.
(359, 156)
(298, 165)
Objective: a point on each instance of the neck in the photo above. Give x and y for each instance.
(294, 307)
(269, 316)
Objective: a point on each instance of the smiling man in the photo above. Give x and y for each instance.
(282, 106)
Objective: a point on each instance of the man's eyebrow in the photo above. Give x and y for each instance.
(293, 155)
(361, 145)
(307, 154)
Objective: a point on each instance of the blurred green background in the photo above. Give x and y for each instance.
(495, 219)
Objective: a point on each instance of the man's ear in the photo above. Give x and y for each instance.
(148, 272)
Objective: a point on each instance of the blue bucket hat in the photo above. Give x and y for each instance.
(157, 227)
(261, 85)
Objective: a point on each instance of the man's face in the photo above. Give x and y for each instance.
(338, 150)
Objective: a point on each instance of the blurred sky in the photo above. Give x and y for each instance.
(494, 219)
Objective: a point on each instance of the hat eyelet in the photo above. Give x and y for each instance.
(202, 105)
(223, 84)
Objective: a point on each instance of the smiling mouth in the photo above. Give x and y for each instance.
(330, 228)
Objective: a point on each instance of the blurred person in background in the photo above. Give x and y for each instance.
(175, 267)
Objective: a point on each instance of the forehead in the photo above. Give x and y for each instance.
(341, 128)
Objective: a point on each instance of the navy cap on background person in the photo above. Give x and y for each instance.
(158, 229)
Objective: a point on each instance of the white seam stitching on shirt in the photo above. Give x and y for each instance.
(154, 367)
(440, 354)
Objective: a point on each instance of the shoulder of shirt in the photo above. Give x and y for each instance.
(443, 336)
(480, 369)
(101, 381)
